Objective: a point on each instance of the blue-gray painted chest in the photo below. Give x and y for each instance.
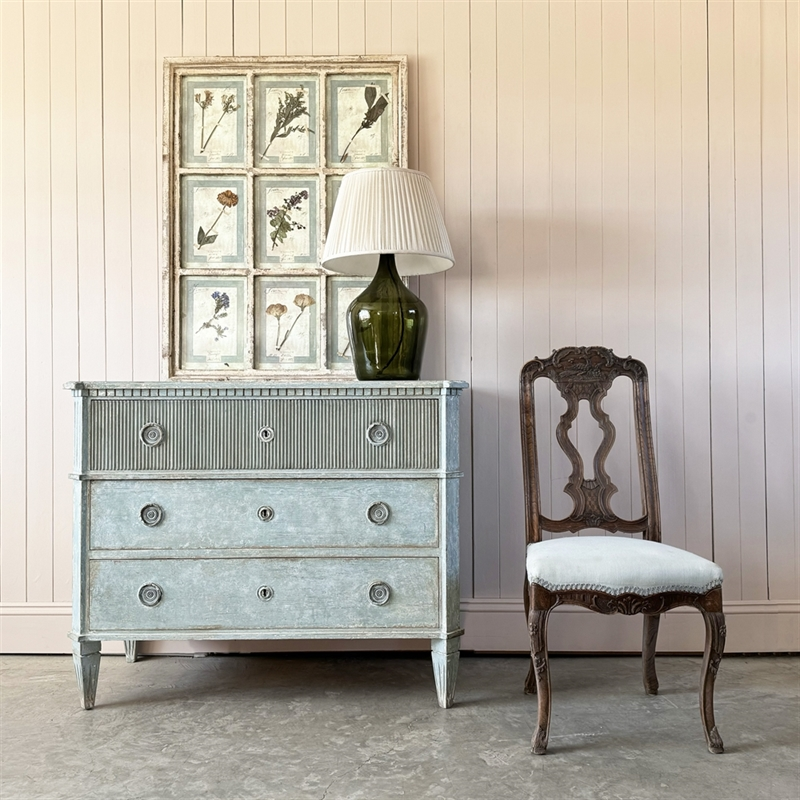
(263, 511)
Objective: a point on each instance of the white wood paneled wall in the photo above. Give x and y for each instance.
(612, 172)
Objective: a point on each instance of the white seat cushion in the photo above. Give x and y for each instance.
(619, 565)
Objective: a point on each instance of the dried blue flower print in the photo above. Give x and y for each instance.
(375, 108)
(221, 305)
(280, 219)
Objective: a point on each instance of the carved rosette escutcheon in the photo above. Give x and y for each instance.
(266, 434)
(266, 513)
(265, 593)
(379, 593)
(150, 595)
(151, 434)
(378, 433)
(151, 515)
(378, 513)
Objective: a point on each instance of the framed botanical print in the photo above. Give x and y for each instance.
(255, 151)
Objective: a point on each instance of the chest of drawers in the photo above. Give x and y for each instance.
(266, 511)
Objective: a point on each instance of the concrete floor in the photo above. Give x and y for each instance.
(367, 726)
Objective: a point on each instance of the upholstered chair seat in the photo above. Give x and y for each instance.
(619, 565)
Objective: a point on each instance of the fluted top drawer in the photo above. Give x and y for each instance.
(155, 434)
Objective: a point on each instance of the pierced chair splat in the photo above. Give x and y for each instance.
(607, 574)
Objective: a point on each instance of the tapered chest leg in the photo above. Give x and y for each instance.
(130, 651)
(444, 655)
(715, 646)
(86, 656)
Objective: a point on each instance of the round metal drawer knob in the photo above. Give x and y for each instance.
(265, 592)
(152, 514)
(266, 434)
(379, 593)
(266, 513)
(378, 513)
(150, 595)
(378, 433)
(151, 434)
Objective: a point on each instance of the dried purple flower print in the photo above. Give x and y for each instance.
(280, 219)
(375, 108)
(226, 199)
(221, 305)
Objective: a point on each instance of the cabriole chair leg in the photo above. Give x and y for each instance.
(715, 646)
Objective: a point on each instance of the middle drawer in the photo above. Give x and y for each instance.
(186, 514)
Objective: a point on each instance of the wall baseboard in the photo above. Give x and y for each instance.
(492, 626)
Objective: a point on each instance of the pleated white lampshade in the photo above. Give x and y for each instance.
(387, 210)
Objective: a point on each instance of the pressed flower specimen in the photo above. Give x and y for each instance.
(227, 200)
(375, 108)
(280, 219)
(221, 304)
(302, 301)
(290, 108)
(277, 310)
(205, 100)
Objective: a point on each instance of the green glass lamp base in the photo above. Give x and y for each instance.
(387, 324)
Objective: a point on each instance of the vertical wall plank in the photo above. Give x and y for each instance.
(117, 193)
(246, 26)
(782, 481)
(38, 303)
(63, 182)
(145, 150)
(431, 106)
(404, 42)
(722, 249)
(299, 27)
(562, 278)
(273, 27)
(325, 30)
(793, 199)
(510, 309)
(458, 281)
(483, 166)
(13, 356)
(668, 385)
(694, 280)
(589, 76)
(749, 297)
(352, 27)
(168, 35)
(219, 27)
(616, 236)
(536, 186)
(379, 26)
(193, 27)
(91, 223)
(641, 186)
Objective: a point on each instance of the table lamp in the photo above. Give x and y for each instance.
(387, 223)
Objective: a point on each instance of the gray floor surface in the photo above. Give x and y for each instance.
(339, 726)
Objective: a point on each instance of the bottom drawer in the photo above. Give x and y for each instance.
(160, 595)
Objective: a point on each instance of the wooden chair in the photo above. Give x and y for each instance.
(607, 574)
